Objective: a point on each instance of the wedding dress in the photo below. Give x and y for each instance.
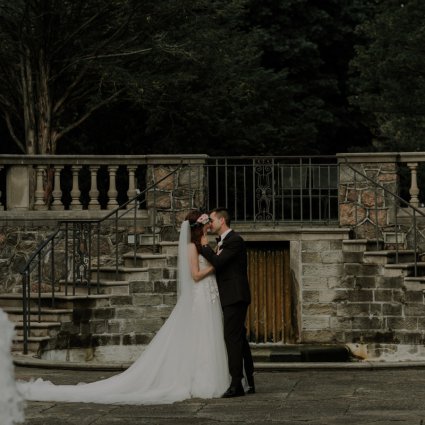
(186, 358)
(11, 406)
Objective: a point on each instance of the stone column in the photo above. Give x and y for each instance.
(57, 192)
(39, 203)
(1, 204)
(94, 192)
(414, 190)
(112, 192)
(18, 183)
(131, 192)
(75, 192)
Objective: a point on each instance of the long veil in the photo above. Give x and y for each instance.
(184, 278)
(162, 373)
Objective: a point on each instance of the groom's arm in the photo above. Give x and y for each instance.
(230, 250)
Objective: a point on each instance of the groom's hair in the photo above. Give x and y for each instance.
(224, 213)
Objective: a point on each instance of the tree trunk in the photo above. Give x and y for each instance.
(45, 108)
(28, 103)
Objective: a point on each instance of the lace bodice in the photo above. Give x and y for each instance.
(209, 282)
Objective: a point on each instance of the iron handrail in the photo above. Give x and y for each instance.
(36, 256)
(407, 204)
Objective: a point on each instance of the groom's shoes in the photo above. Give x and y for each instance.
(251, 389)
(234, 391)
(251, 385)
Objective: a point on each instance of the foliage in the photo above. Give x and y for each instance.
(239, 77)
(61, 60)
(389, 75)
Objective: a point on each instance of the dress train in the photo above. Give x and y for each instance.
(186, 358)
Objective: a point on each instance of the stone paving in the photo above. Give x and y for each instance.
(324, 396)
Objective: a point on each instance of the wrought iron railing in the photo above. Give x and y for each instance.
(64, 262)
(392, 215)
(286, 190)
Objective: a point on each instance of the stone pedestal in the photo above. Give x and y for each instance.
(17, 186)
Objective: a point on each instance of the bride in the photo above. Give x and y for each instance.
(186, 358)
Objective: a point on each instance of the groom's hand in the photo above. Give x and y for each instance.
(204, 240)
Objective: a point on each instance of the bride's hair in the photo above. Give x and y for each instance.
(196, 229)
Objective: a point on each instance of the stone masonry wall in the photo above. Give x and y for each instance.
(176, 194)
(363, 205)
(348, 299)
(322, 274)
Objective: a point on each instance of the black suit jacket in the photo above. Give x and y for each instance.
(231, 269)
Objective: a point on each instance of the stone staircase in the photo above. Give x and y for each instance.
(126, 307)
(385, 293)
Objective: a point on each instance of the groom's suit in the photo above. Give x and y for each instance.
(230, 265)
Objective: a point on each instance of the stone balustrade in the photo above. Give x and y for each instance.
(88, 182)
(69, 184)
(367, 207)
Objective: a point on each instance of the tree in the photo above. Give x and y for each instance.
(62, 60)
(389, 75)
(312, 41)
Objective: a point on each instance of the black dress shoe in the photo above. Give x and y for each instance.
(251, 385)
(234, 391)
(251, 389)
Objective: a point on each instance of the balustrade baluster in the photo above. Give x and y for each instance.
(57, 191)
(1, 203)
(131, 192)
(112, 192)
(75, 192)
(414, 190)
(39, 203)
(94, 192)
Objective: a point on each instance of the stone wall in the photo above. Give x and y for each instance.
(322, 277)
(365, 207)
(173, 196)
(16, 245)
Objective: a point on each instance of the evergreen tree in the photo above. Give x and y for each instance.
(388, 75)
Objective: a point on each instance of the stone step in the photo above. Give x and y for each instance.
(361, 245)
(415, 283)
(389, 256)
(121, 273)
(112, 287)
(15, 314)
(61, 300)
(146, 260)
(169, 248)
(34, 343)
(300, 353)
(38, 329)
(104, 286)
(404, 269)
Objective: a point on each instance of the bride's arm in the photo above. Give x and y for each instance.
(196, 273)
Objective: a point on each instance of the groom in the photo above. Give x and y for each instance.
(230, 263)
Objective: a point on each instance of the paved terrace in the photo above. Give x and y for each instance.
(326, 394)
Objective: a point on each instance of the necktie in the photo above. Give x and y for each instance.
(218, 239)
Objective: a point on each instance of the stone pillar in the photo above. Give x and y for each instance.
(364, 204)
(57, 192)
(132, 192)
(94, 192)
(414, 190)
(18, 187)
(1, 204)
(39, 203)
(75, 192)
(112, 192)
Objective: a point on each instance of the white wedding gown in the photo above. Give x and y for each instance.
(186, 358)
(11, 406)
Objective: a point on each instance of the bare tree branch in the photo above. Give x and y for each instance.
(87, 114)
(12, 133)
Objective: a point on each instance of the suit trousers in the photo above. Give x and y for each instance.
(238, 350)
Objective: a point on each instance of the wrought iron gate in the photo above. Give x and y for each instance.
(269, 315)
